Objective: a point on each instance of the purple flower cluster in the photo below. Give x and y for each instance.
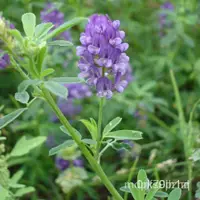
(51, 14)
(63, 164)
(4, 60)
(163, 16)
(103, 61)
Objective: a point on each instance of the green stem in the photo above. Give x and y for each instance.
(97, 168)
(179, 107)
(100, 116)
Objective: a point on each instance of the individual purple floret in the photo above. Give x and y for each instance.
(51, 14)
(12, 26)
(62, 164)
(103, 61)
(78, 163)
(167, 6)
(4, 60)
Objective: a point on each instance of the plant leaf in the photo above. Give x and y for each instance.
(25, 145)
(16, 185)
(91, 126)
(161, 194)
(17, 35)
(196, 155)
(1, 107)
(64, 27)
(29, 22)
(60, 147)
(23, 191)
(65, 80)
(142, 179)
(3, 193)
(175, 194)
(23, 86)
(17, 176)
(57, 89)
(131, 188)
(125, 189)
(61, 43)
(4, 121)
(135, 192)
(42, 29)
(64, 130)
(112, 124)
(22, 97)
(152, 192)
(89, 141)
(2, 138)
(47, 72)
(124, 135)
(40, 58)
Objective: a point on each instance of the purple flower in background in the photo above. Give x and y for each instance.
(103, 61)
(51, 14)
(78, 162)
(78, 91)
(62, 164)
(4, 60)
(75, 91)
(12, 26)
(68, 107)
(7, 23)
(164, 23)
(167, 5)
